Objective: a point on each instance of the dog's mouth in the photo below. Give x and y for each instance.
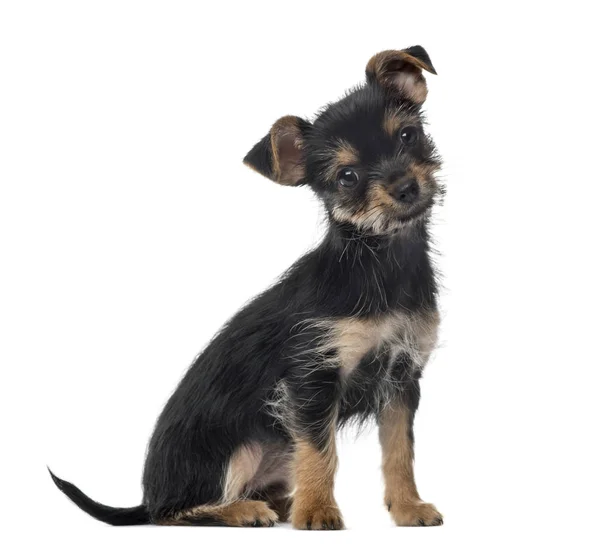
(415, 211)
(392, 221)
(385, 218)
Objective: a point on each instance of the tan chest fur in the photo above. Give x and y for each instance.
(352, 338)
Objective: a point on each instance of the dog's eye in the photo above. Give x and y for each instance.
(347, 177)
(409, 135)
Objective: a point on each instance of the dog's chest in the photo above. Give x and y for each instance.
(387, 336)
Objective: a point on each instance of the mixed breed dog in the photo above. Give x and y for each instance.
(248, 436)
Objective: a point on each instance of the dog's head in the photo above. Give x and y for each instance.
(367, 155)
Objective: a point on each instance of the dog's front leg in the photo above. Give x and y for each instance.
(314, 402)
(401, 495)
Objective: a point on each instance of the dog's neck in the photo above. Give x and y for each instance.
(375, 274)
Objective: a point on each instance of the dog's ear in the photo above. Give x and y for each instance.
(401, 71)
(280, 154)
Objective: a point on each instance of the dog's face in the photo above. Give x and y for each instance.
(367, 155)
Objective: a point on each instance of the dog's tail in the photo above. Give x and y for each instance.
(138, 515)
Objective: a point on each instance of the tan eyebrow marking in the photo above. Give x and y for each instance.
(346, 154)
(340, 154)
(393, 121)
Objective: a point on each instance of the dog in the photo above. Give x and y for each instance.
(248, 436)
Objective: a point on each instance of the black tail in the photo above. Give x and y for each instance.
(137, 515)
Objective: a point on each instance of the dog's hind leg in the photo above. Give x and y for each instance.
(242, 513)
(281, 501)
(273, 480)
(248, 491)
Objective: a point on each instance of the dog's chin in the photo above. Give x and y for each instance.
(391, 219)
(414, 213)
(395, 223)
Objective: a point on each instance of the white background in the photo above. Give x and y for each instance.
(130, 231)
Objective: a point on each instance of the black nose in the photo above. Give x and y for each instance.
(406, 191)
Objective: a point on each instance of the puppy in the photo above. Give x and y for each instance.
(248, 436)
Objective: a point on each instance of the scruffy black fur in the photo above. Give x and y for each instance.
(343, 335)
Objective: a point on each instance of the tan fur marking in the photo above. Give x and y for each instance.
(397, 455)
(373, 216)
(378, 195)
(314, 506)
(340, 155)
(391, 124)
(352, 337)
(379, 214)
(425, 174)
(401, 495)
(242, 467)
(346, 154)
(394, 119)
(235, 514)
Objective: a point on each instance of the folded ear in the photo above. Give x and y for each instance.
(402, 72)
(279, 155)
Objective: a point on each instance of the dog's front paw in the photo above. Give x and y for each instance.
(414, 513)
(317, 517)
